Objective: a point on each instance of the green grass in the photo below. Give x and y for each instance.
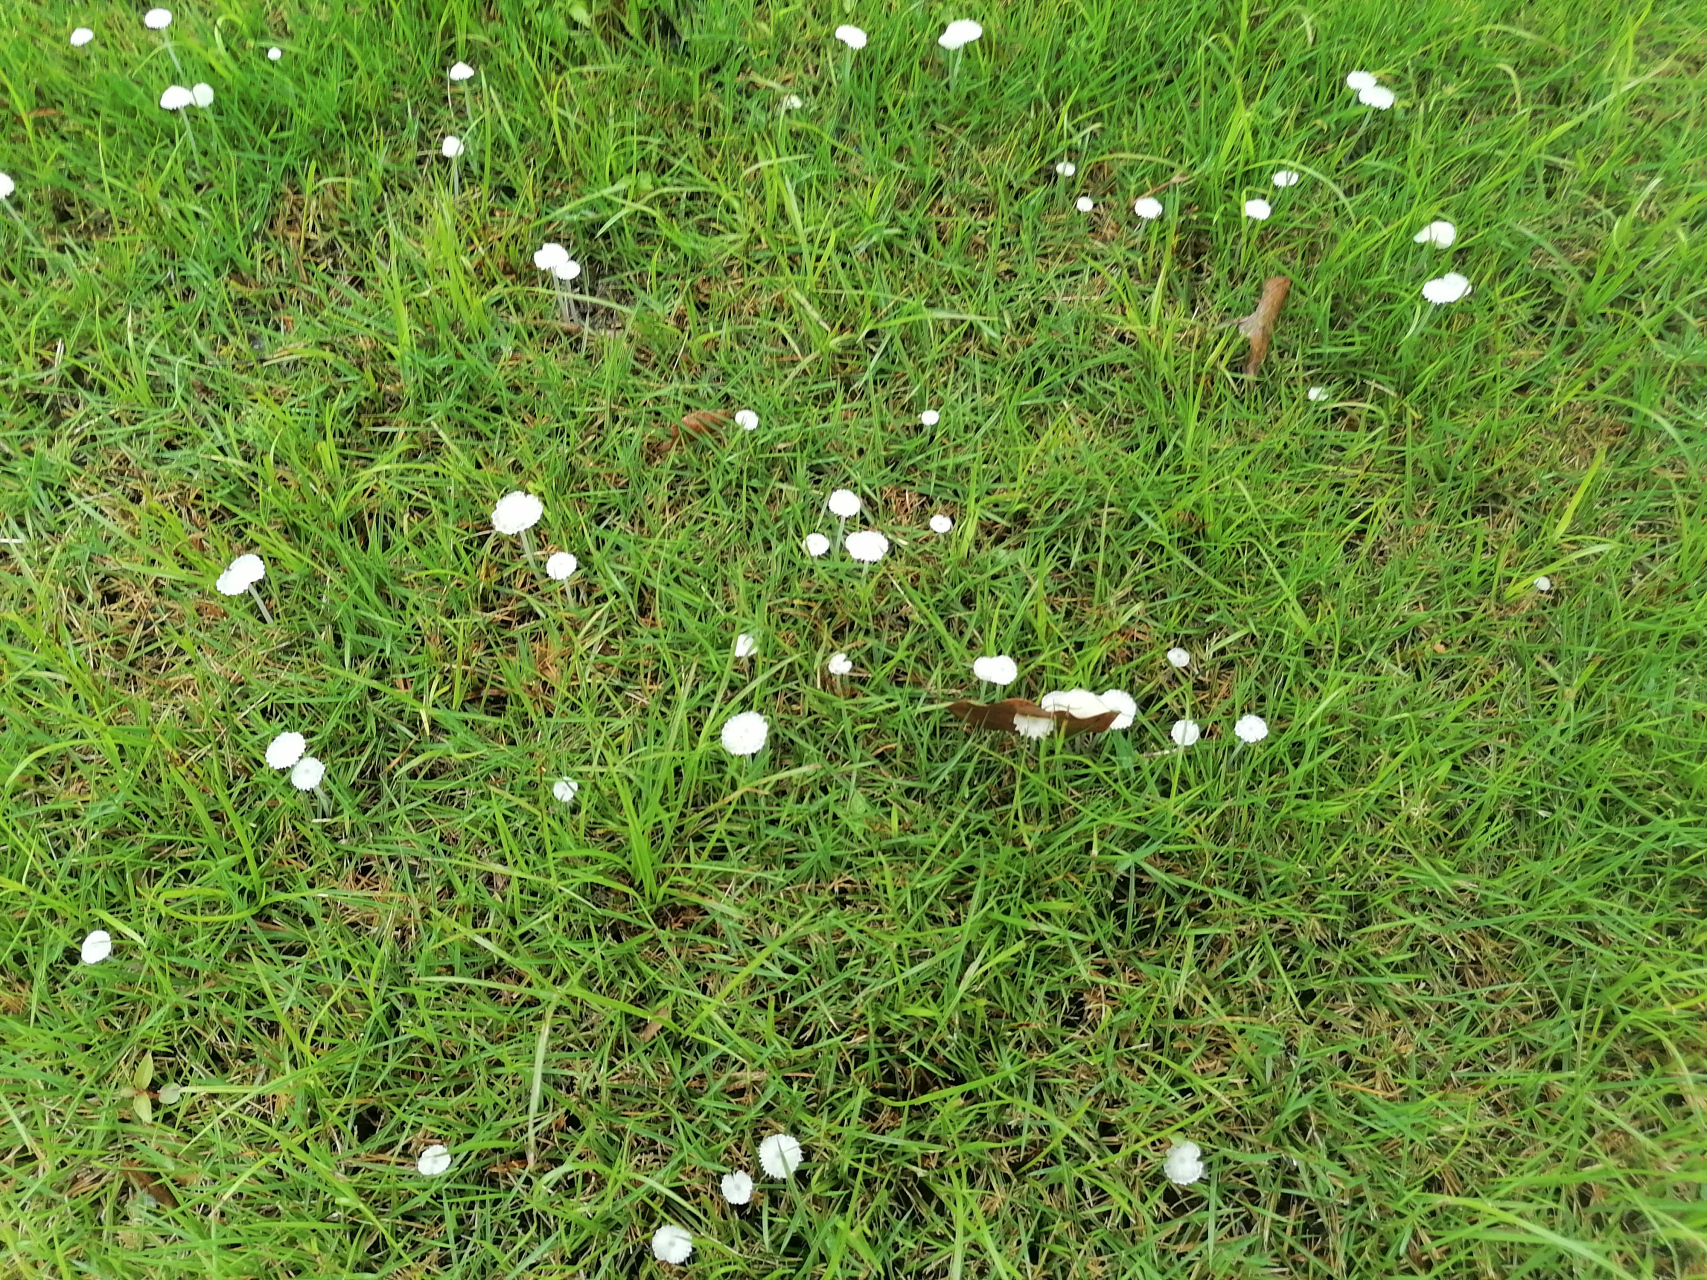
(1422, 973)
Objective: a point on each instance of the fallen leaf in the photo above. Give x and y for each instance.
(701, 422)
(1000, 715)
(145, 1180)
(1259, 325)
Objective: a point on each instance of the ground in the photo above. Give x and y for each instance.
(1421, 972)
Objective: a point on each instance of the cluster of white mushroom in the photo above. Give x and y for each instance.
(1001, 670)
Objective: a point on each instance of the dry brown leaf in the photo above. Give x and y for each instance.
(145, 1180)
(1259, 325)
(1000, 715)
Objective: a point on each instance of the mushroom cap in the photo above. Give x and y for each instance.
(780, 1155)
(844, 503)
(517, 511)
(286, 749)
(745, 734)
(868, 546)
(672, 1244)
(1121, 703)
(306, 774)
(1447, 288)
(960, 32)
(1439, 233)
(549, 256)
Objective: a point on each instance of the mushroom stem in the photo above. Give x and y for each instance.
(170, 53)
(527, 545)
(325, 800)
(261, 604)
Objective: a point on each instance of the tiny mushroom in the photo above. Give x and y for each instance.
(1438, 233)
(1184, 1163)
(285, 750)
(1447, 288)
(843, 504)
(780, 1155)
(672, 1244)
(1251, 728)
(868, 546)
(433, 1161)
(745, 734)
(517, 512)
(959, 33)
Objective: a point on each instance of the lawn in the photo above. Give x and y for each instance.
(1422, 972)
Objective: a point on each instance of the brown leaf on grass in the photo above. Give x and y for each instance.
(702, 423)
(1001, 715)
(1259, 325)
(145, 1180)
